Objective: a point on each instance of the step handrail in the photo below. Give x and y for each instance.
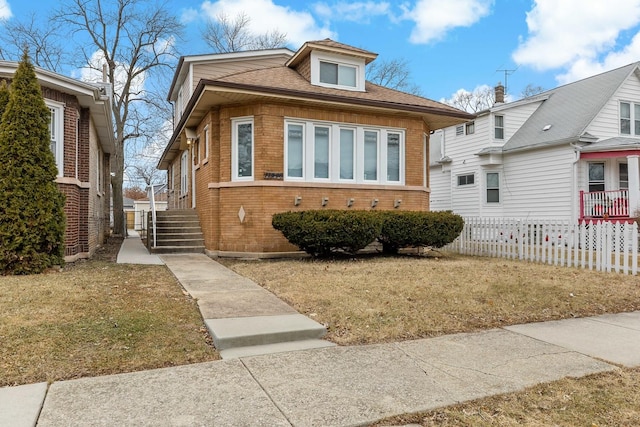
(152, 207)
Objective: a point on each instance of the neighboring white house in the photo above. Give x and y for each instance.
(568, 153)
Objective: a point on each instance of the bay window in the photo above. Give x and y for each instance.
(337, 152)
(347, 148)
(321, 152)
(370, 155)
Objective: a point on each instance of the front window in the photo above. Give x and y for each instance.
(623, 176)
(321, 145)
(370, 156)
(393, 157)
(295, 151)
(499, 127)
(337, 152)
(347, 147)
(596, 177)
(242, 154)
(493, 187)
(207, 142)
(629, 118)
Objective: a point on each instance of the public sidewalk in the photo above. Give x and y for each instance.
(332, 386)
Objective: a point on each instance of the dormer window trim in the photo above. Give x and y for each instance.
(343, 63)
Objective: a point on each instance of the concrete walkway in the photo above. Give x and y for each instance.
(133, 251)
(330, 386)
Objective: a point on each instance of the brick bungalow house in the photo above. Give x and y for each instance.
(268, 131)
(82, 141)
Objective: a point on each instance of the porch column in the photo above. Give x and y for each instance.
(634, 185)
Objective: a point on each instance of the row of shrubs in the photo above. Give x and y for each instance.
(324, 232)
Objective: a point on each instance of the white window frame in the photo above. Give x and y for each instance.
(184, 173)
(334, 128)
(496, 127)
(634, 119)
(313, 154)
(57, 133)
(340, 60)
(207, 142)
(235, 123)
(286, 151)
(363, 151)
(466, 179)
(487, 188)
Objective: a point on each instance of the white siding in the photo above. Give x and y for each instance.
(440, 199)
(515, 117)
(606, 124)
(539, 183)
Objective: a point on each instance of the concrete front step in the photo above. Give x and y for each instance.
(256, 350)
(162, 241)
(262, 330)
(197, 249)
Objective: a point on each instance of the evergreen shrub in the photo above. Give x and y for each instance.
(32, 221)
(406, 229)
(323, 232)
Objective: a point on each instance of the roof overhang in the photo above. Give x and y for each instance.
(211, 94)
(186, 62)
(97, 97)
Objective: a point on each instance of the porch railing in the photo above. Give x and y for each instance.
(604, 204)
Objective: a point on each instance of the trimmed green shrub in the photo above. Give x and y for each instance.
(323, 232)
(405, 229)
(4, 97)
(32, 221)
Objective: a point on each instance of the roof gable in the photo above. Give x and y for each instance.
(569, 110)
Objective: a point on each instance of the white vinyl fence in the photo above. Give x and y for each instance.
(596, 245)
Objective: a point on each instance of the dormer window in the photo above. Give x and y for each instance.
(337, 74)
(337, 71)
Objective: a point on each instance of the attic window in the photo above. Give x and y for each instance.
(337, 71)
(337, 74)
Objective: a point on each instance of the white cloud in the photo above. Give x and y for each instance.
(266, 16)
(189, 15)
(5, 10)
(586, 67)
(94, 74)
(575, 33)
(359, 11)
(434, 18)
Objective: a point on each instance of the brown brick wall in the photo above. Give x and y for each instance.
(219, 200)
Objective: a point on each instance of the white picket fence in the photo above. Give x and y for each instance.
(596, 245)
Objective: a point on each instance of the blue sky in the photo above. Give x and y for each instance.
(449, 45)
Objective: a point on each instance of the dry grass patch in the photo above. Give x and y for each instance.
(96, 318)
(609, 399)
(382, 299)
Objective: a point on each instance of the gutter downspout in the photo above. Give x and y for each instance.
(574, 177)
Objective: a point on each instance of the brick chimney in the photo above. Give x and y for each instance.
(499, 94)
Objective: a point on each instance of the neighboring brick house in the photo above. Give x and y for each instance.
(82, 141)
(269, 131)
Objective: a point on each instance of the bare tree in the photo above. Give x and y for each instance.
(531, 90)
(134, 39)
(224, 35)
(42, 40)
(394, 74)
(482, 98)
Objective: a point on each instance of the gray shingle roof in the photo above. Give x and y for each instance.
(569, 110)
(617, 143)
